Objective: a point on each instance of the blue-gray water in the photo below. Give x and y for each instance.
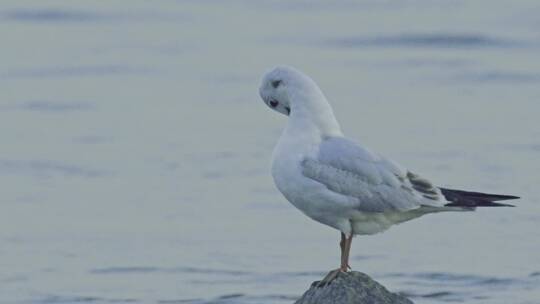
(134, 163)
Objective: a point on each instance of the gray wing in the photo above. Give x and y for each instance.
(376, 183)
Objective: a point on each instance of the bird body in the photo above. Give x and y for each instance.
(312, 183)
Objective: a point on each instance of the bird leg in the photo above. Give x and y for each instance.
(342, 246)
(345, 245)
(346, 250)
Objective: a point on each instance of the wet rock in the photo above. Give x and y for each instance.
(351, 287)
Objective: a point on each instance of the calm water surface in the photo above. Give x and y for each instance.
(135, 151)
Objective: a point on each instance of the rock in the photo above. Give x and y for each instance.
(351, 287)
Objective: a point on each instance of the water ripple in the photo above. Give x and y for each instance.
(50, 15)
(473, 279)
(452, 277)
(46, 168)
(499, 76)
(14, 279)
(151, 269)
(440, 295)
(91, 139)
(231, 296)
(236, 298)
(454, 287)
(73, 16)
(191, 301)
(54, 299)
(78, 71)
(301, 274)
(431, 40)
(51, 106)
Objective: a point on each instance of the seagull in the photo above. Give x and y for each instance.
(340, 183)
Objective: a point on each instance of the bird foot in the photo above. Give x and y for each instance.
(330, 277)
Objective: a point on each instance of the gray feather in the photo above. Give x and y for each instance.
(378, 184)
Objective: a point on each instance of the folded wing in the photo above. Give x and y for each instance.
(377, 184)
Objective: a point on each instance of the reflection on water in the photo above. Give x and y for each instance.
(135, 151)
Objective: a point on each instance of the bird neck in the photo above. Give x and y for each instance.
(311, 111)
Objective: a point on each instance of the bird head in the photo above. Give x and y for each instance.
(288, 91)
(278, 85)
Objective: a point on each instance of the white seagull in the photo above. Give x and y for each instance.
(340, 183)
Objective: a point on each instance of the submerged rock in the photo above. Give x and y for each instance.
(351, 287)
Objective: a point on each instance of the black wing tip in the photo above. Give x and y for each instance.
(503, 197)
(461, 198)
(471, 194)
(477, 204)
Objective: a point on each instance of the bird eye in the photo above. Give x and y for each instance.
(276, 83)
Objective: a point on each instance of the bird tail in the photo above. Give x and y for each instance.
(460, 198)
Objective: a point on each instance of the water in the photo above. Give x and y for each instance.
(135, 151)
